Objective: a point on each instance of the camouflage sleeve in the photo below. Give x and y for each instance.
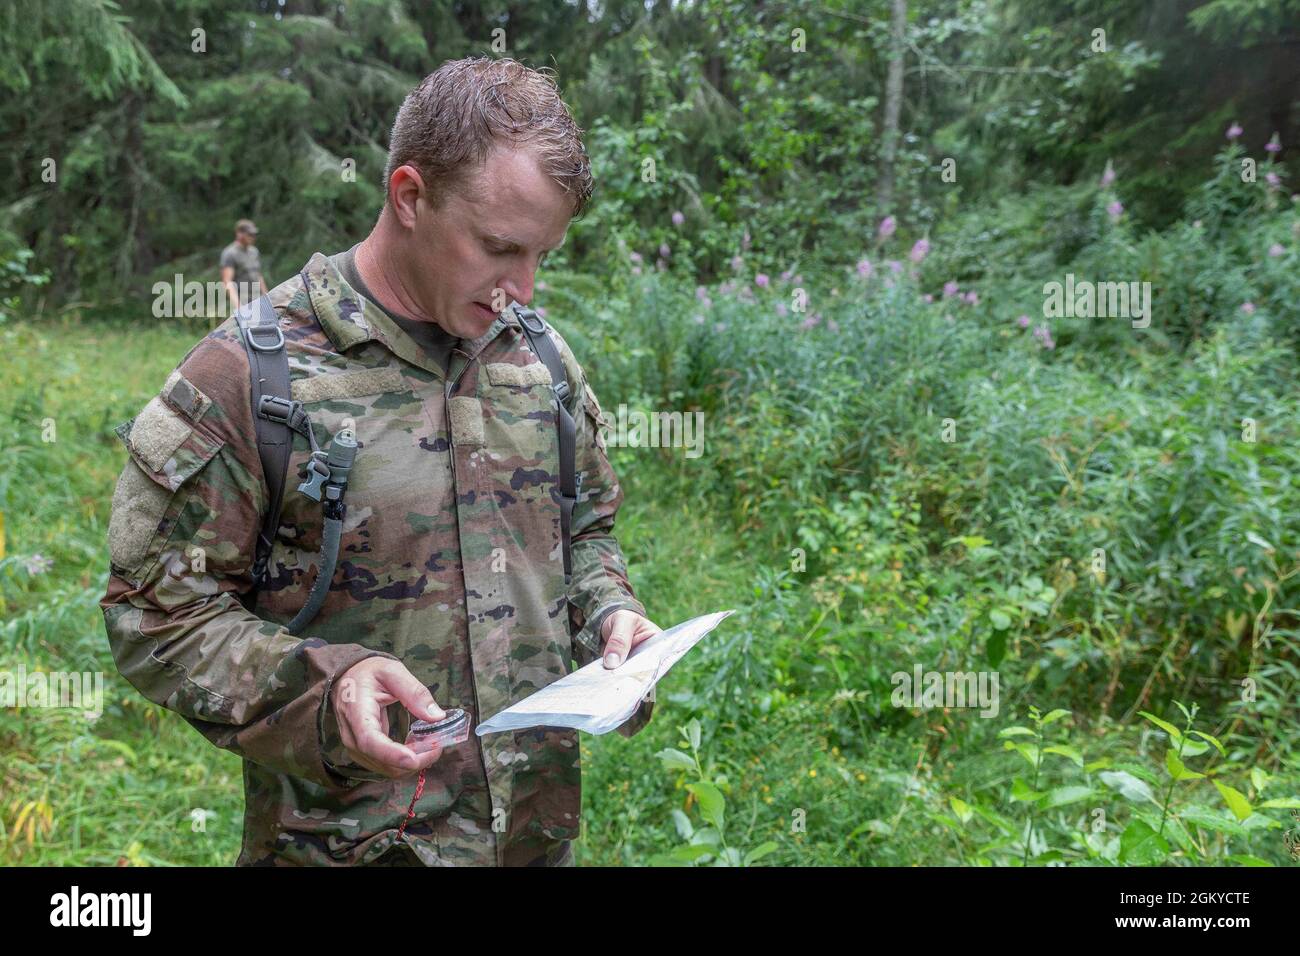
(185, 516)
(600, 583)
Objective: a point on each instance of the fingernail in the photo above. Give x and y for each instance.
(612, 659)
(435, 713)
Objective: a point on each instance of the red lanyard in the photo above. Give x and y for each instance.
(410, 811)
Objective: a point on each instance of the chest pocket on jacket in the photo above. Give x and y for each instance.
(400, 466)
(519, 415)
(383, 412)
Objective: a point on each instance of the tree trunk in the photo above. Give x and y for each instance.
(713, 70)
(130, 172)
(893, 105)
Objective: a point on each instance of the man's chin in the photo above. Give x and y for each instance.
(473, 323)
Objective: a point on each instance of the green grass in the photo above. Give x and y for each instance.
(125, 785)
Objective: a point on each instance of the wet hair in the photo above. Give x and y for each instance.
(450, 122)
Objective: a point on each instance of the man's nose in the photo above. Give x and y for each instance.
(519, 286)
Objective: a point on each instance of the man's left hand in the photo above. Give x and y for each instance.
(623, 630)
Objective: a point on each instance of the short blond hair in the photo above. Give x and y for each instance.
(449, 123)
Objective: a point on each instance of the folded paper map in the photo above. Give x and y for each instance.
(596, 699)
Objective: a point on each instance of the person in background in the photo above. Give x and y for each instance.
(241, 266)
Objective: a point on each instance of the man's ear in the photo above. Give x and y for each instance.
(405, 189)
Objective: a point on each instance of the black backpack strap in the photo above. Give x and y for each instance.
(276, 416)
(273, 418)
(534, 327)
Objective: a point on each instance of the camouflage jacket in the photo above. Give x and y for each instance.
(450, 562)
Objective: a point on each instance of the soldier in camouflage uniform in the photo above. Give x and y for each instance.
(449, 589)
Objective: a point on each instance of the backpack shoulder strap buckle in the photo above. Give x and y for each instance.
(253, 331)
(277, 409)
(529, 319)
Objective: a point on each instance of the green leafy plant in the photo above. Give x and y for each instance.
(1146, 840)
(703, 844)
(1034, 751)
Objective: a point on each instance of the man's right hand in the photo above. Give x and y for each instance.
(360, 699)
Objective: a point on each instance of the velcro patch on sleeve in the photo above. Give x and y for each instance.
(157, 433)
(371, 381)
(185, 397)
(520, 376)
(138, 508)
